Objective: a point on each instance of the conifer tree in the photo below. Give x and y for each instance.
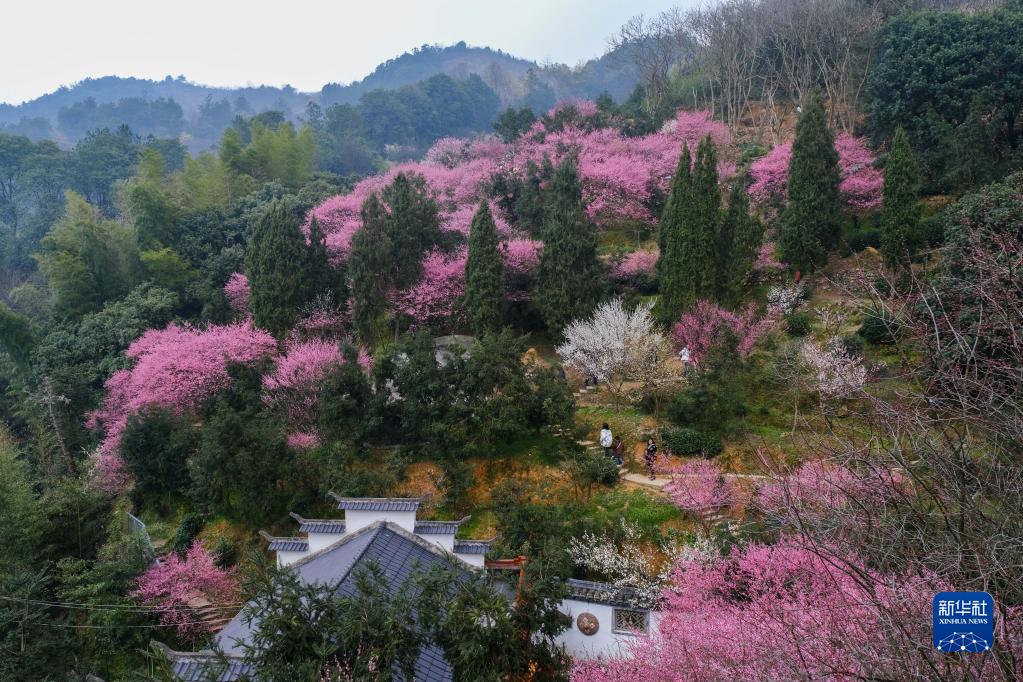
(900, 212)
(413, 227)
(673, 290)
(812, 220)
(369, 260)
(570, 278)
(484, 291)
(701, 253)
(738, 245)
(276, 268)
(320, 273)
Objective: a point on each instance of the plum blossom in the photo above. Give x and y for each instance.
(636, 264)
(435, 295)
(614, 344)
(861, 183)
(177, 368)
(699, 485)
(632, 567)
(176, 587)
(699, 329)
(237, 292)
(778, 612)
(834, 372)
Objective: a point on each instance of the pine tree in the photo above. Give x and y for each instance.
(674, 291)
(700, 259)
(484, 291)
(738, 243)
(276, 268)
(812, 221)
(413, 227)
(321, 274)
(570, 278)
(900, 212)
(369, 261)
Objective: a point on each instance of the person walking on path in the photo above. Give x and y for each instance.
(606, 439)
(619, 451)
(650, 457)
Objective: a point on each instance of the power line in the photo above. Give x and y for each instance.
(134, 608)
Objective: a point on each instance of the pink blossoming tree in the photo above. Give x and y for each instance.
(780, 612)
(175, 588)
(702, 327)
(177, 368)
(861, 182)
(237, 292)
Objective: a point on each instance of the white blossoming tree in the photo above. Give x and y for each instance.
(834, 373)
(636, 572)
(615, 345)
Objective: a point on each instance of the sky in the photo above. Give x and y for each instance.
(49, 43)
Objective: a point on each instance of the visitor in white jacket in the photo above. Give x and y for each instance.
(606, 439)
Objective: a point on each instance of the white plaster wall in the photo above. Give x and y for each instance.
(288, 558)
(444, 540)
(318, 541)
(354, 520)
(605, 642)
(472, 559)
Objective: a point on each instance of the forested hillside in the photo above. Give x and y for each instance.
(782, 273)
(198, 114)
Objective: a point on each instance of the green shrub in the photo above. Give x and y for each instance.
(797, 324)
(858, 241)
(690, 442)
(225, 553)
(188, 530)
(931, 231)
(714, 400)
(876, 327)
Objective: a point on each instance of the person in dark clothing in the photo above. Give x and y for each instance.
(650, 457)
(619, 452)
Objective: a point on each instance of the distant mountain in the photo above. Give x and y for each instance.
(505, 74)
(176, 107)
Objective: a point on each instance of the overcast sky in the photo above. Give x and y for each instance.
(48, 43)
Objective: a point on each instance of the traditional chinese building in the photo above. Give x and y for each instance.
(386, 532)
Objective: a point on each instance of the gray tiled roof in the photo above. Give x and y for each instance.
(439, 527)
(398, 553)
(395, 504)
(199, 669)
(289, 545)
(472, 546)
(602, 593)
(334, 526)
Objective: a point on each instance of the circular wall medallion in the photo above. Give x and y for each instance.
(587, 623)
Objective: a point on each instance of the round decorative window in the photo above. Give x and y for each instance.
(587, 624)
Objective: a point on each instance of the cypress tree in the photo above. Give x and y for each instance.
(812, 221)
(700, 259)
(484, 290)
(738, 245)
(276, 268)
(413, 227)
(322, 276)
(673, 290)
(570, 278)
(900, 212)
(369, 260)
